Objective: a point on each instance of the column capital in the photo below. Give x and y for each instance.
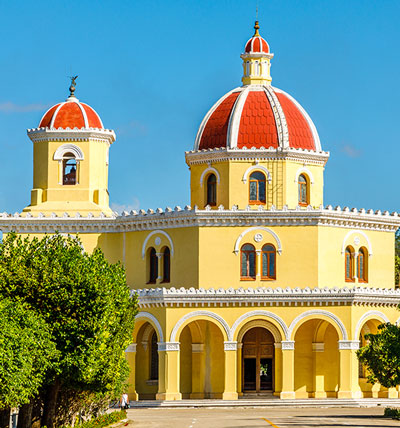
(230, 346)
(131, 348)
(318, 346)
(287, 345)
(278, 345)
(168, 346)
(197, 347)
(349, 344)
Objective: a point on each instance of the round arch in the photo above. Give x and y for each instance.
(360, 232)
(155, 232)
(371, 315)
(68, 148)
(200, 315)
(208, 170)
(316, 314)
(265, 229)
(265, 319)
(252, 168)
(304, 170)
(146, 316)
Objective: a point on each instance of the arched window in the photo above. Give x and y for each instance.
(304, 198)
(153, 266)
(212, 190)
(362, 271)
(268, 262)
(69, 169)
(349, 264)
(248, 262)
(257, 188)
(166, 265)
(154, 357)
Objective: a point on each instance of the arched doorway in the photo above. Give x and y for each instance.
(258, 361)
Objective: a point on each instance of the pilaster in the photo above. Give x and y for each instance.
(348, 383)
(169, 371)
(230, 384)
(287, 370)
(130, 356)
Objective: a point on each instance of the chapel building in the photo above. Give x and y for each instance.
(255, 287)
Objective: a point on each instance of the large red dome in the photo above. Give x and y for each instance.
(71, 114)
(257, 117)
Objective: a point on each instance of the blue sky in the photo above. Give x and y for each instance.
(152, 69)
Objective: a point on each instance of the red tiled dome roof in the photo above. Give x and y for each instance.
(256, 45)
(71, 114)
(260, 117)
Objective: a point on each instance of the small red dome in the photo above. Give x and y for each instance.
(256, 44)
(71, 114)
(257, 117)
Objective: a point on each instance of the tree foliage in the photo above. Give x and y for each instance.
(25, 353)
(86, 305)
(381, 355)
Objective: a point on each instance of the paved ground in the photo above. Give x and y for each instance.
(258, 417)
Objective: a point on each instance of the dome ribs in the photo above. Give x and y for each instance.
(257, 125)
(300, 135)
(46, 119)
(215, 131)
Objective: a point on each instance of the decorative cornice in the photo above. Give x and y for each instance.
(193, 217)
(67, 134)
(349, 344)
(150, 297)
(224, 154)
(168, 346)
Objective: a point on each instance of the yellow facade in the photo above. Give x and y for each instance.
(239, 296)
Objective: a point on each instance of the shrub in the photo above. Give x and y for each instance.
(392, 413)
(103, 420)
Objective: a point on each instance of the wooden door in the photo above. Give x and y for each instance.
(258, 360)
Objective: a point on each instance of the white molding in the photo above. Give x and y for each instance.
(98, 116)
(304, 170)
(318, 313)
(287, 345)
(251, 229)
(53, 118)
(194, 217)
(150, 297)
(66, 134)
(234, 120)
(83, 111)
(152, 320)
(156, 232)
(257, 167)
(313, 129)
(280, 118)
(230, 346)
(168, 346)
(207, 116)
(219, 320)
(366, 317)
(349, 344)
(352, 232)
(146, 333)
(68, 148)
(131, 348)
(264, 314)
(206, 171)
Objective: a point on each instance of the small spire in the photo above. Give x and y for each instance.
(72, 86)
(256, 28)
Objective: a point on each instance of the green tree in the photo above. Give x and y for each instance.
(381, 355)
(86, 304)
(25, 353)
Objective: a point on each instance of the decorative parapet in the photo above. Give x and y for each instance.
(193, 217)
(224, 154)
(262, 296)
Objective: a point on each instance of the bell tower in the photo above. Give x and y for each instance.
(70, 160)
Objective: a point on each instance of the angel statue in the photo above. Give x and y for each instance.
(73, 85)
